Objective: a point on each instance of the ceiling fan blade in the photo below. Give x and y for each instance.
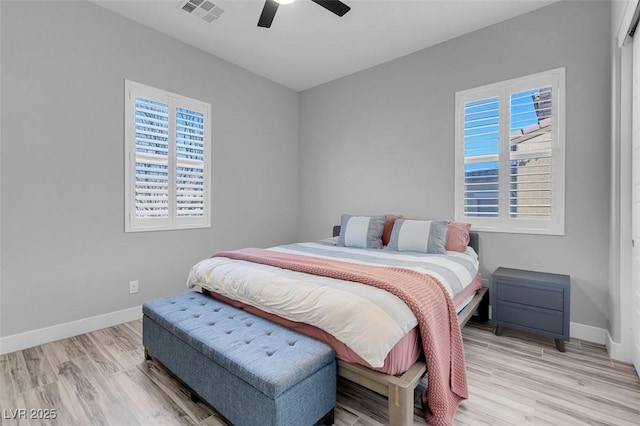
(268, 13)
(334, 6)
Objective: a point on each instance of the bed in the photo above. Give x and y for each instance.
(375, 334)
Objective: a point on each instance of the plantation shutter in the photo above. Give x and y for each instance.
(509, 145)
(530, 154)
(190, 201)
(481, 155)
(151, 158)
(167, 138)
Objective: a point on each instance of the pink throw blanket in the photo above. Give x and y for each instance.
(430, 303)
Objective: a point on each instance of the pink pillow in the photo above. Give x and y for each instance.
(457, 236)
(388, 227)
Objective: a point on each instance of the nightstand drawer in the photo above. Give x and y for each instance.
(530, 318)
(510, 291)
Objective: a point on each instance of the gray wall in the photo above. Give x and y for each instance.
(377, 141)
(65, 255)
(381, 141)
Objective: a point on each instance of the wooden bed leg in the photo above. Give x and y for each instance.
(400, 405)
(146, 355)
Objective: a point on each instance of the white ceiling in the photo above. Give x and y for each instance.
(308, 45)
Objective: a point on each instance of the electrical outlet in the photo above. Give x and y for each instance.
(133, 286)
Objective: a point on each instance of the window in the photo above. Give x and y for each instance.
(510, 155)
(167, 160)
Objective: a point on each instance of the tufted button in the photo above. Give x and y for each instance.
(268, 333)
(292, 343)
(191, 298)
(173, 303)
(229, 331)
(247, 341)
(232, 316)
(216, 310)
(269, 353)
(211, 324)
(197, 316)
(183, 309)
(249, 324)
(203, 303)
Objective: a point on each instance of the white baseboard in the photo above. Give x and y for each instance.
(619, 351)
(588, 333)
(583, 332)
(41, 336)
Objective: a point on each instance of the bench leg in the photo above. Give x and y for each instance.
(146, 355)
(560, 345)
(329, 418)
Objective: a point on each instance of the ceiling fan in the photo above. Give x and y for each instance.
(271, 6)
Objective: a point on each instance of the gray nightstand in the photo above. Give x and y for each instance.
(531, 301)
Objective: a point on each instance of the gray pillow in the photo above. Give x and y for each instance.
(424, 236)
(361, 231)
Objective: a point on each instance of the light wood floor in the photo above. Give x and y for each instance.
(101, 378)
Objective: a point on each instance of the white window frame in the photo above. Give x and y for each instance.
(134, 223)
(504, 223)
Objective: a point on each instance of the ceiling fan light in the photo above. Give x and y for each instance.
(284, 1)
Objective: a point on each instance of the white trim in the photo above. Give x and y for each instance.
(589, 333)
(585, 332)
(621, 189)
(41, 336)
(618, 351)
(625, 22)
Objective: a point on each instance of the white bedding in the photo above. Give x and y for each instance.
(368, 320)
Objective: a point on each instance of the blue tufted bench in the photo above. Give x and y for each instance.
(252, 371)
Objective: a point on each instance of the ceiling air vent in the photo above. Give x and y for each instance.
(202, 9)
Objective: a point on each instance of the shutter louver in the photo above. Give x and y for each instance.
(531, 125)
(481, 148)
(190, 189)
(151, 158)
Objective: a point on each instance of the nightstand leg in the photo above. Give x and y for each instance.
(560, 345)
(498, 331)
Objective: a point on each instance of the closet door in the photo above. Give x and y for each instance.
(635, 184)
(635, 273)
